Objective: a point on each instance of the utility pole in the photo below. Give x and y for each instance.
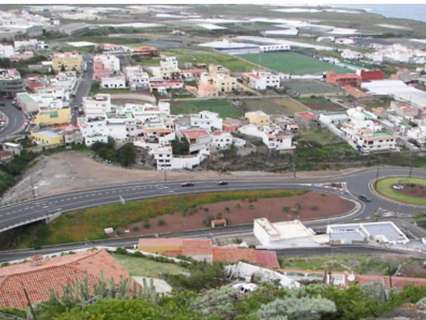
(377, 173)
(33, 191)
(410, 171)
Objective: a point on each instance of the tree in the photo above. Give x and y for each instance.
(126, 155)
(180, 147)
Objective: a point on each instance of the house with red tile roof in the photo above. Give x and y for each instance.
(42, 275)
(204, 250)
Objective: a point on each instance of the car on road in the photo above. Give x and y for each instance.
(187, 184)
(364, 198)
(222, 183)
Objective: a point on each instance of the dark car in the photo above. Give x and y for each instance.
(222, 183)
(364, 198)
(187, 184)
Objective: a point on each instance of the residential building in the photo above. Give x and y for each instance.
(370, 75)
(115, 49)
(50, 117)
(381, 232)
(221, 140)
(343, 79)
(146, 51)
(272, 136)
(67, 61)
(207, 120)
(199, 139)
(105, 65)
(285, 234)
(136, 77)
(168, 69)
(35, 280)
(47, 138)
(6, 51)
(261, 80)
(10, 82)
(365, 133)
(258, 118)
(165, 160)
(97, 106)
(204, 250)
(216, 83)
(231, 125)
(116, 81)
(162, 86)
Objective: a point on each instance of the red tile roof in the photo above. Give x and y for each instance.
(230, 254)
(397, 282)
(195, 133)
(191, 247)
(38, 279)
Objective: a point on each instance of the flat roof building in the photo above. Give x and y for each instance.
(382, 232)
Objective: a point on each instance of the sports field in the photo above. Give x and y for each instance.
(221, 106)
(291, 62)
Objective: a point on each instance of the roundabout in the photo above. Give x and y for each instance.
(406, 190)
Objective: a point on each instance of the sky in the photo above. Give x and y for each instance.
(271, 2)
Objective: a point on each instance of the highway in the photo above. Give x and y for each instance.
(18, 214)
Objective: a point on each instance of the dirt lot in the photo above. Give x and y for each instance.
(71, 171)
(308, 206)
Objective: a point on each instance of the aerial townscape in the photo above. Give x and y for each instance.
(213, 161)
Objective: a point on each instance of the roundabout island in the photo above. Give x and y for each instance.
(407, 190)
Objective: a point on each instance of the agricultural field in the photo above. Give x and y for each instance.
(291, 62)
(286, 106)
(233, 63)
(320, 103)
(222, 106)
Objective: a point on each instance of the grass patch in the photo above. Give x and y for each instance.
(223, 107)
(140, 266)
(287, 106)
(291, 62)
(362, 264)
(384, 187)
(233, 63)
(88, 224)
(319, 136)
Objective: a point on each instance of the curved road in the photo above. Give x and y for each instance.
(15, 215)
(16, 120)
(356, 184)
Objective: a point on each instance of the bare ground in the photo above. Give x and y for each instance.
(308, 206)
(70, 171)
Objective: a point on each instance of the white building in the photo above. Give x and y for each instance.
(273, 137)
(97, 106)
(382, 232)
(285, 234)
(168, 68)
(207, 120)
(261, 80)
(117, 81)
(221, 140)
(6, 51)
(136, 77)
(165, 160)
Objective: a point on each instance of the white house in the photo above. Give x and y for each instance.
(165, 160)
(136, 77)
(117, 81)
(207, 120)
(261, 80)
(274, 138)
(221, 140)
(97, 106)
